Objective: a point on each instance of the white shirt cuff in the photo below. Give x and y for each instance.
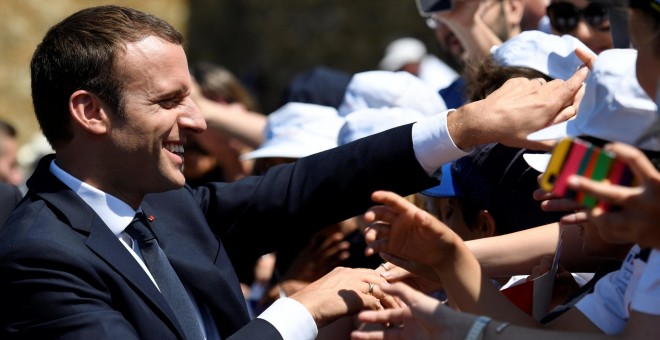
(432, 143)
(291, 319)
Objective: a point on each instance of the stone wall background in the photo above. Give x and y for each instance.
(264, 42)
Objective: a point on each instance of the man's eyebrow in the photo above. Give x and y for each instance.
(181, 91)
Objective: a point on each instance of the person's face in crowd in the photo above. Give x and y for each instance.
(494, 13)
(585, 20)
(10, 171)
(646, 38)
(147, 144)
(448, 210)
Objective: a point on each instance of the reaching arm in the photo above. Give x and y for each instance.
(517, 253)
(424, 318)
(232, 119)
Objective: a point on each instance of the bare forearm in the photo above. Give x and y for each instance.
(515, 253)
(247, 126)
(471, 291)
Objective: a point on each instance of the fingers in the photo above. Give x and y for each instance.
(382, 316)
(541, 81)
(379, 213)
(560, 204)
(639, 164)
(393, 272)
(386, 300)
(613, 194)
(563, 115)
(586, 57)
(392, 200)
(380, 334)
(373, 295)
(376, 236)
(402, 291)
(542, 195)
(401, 270)
(573, 84)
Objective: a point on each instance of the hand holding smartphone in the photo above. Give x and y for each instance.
(576, 156)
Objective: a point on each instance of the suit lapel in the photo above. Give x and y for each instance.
(106, 245)
(74, 211)
(192, 250)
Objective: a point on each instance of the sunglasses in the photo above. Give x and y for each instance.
(564, 16)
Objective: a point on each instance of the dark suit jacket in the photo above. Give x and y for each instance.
(65, 274)
(9, 197)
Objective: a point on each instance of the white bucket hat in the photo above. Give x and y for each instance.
(614, 108)
(402, 51)
(367, 122)
(378, 89)
(549, 54)
(297, 130)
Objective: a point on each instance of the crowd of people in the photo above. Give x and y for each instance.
(398, 203)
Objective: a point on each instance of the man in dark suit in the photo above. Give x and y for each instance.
(111, 91)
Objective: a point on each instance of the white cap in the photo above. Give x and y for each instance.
(378, 89)
(297, 130)
(614, 107)
(549, 54)
(401, 52)
(367, 122)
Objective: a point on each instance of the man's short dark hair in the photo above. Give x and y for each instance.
(79, 53)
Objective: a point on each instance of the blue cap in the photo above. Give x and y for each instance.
(496, 178)
(448, 187)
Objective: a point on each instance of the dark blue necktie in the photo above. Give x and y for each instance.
(163, 273)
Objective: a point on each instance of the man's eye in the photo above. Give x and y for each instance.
(169, 104)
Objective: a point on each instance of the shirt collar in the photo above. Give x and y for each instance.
(113, 212)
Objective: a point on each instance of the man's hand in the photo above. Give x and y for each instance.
(342, 292)
(521, 106)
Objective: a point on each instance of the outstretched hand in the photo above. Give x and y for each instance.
(343, 292)
(521, 106)
(398, 228)
(423, 317)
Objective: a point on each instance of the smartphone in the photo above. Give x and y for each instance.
(576, 156)
(428, 7)
(570, 166)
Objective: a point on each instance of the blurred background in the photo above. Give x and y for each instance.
(264, 42)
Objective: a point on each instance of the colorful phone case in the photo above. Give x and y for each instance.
(559, 154)
(571, 166)
(584, 170)
(600, 170)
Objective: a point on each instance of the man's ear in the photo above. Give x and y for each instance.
(88, 112)
(486, 224)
